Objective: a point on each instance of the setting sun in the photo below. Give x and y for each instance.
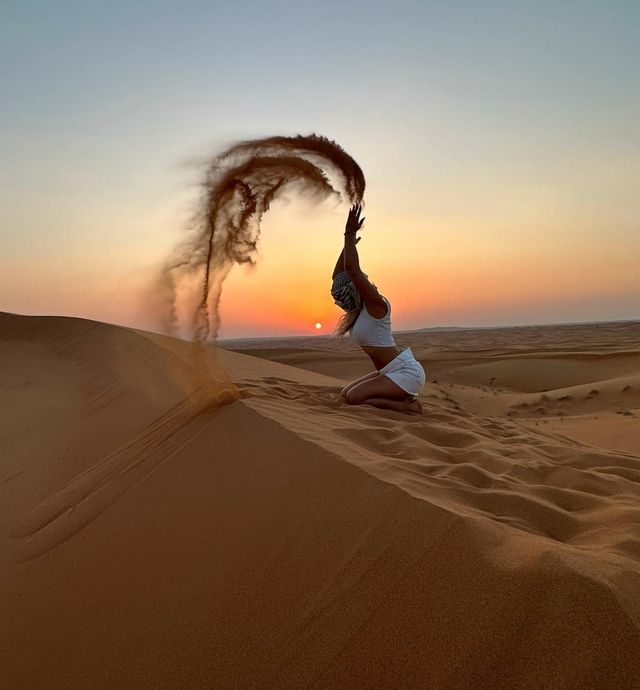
(318, 325)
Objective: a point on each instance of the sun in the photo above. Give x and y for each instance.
(318, 325)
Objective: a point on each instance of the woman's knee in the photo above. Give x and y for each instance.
(353, 397)
(348, 388)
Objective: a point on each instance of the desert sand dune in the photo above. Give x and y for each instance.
(184, 517)
(545, 373)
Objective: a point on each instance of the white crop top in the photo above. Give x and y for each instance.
(373, 332)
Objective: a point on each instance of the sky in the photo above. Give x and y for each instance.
(499, 141)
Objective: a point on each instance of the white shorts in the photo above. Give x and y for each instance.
(405, 371)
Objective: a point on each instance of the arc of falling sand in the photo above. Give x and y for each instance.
(240, 185)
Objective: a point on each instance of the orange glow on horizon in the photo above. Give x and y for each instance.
(434, 271)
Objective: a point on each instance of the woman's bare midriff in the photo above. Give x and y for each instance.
(381, 356)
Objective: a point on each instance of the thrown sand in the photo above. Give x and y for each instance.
(160, 532)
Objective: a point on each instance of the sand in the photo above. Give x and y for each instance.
(180, 517)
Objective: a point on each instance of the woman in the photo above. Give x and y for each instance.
(399, 377)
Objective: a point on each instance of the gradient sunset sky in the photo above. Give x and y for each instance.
(500, 142)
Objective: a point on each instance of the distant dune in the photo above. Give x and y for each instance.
(176, 516)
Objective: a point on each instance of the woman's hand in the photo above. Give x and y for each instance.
(354, 222)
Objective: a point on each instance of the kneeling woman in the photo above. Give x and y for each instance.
(399, 377)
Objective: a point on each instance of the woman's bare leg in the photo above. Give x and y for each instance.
(367, 377)
(383, 392)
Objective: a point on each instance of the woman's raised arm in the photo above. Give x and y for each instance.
(339, 268)
(375, 304)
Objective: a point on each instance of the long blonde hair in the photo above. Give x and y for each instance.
(345, 324)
